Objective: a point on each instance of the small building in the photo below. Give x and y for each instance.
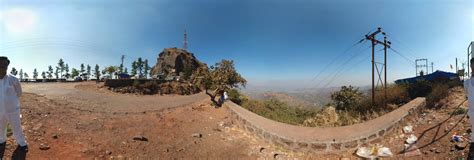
(435, 76)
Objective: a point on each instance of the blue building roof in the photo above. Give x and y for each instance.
(429, 77)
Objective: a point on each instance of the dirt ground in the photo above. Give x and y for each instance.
(84, 121)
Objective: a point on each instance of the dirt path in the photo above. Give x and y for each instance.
(91, 98)
(68, 131)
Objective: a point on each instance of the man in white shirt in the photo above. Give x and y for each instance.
(10, 92)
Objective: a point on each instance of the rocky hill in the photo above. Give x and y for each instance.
(174, 62)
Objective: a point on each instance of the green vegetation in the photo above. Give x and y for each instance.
(459, 111)
(349, 105)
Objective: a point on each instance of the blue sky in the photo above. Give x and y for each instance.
(273, 42)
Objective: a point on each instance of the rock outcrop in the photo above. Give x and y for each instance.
(174, 62)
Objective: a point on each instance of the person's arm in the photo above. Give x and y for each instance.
(17, 86)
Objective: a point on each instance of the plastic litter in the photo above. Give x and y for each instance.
(374, 152)
(411, 139)
(408, 129)
(457, 138)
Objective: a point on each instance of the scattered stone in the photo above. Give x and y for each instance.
(197, 135)
(461, 145)
(140, 138)
(44, 146)
(263, 149)
(107, 152)
(37, 127)
(278, 156)
(55, 136)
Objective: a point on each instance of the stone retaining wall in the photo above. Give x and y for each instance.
(129, 82)
(316, 139)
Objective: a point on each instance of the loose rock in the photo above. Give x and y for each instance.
(197, 135)
(44, 146)
(140, 138)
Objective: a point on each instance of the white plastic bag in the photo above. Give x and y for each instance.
(408, 129)
(411, 139)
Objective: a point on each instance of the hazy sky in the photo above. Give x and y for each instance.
(272, 42)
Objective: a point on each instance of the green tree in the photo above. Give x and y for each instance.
(50, 72)
(61, 67)
(14, 71)
(43, 74)
(66, 69)
(21, 74)
(134, 68)
(88, 71)
(74, 73)
(111, 70)
(224, 76)
(97, 71)
(58, 69)
(120, 68)
(35, 74)
(146, 68)
(140, 67)
(348, 98)
(26, 76)
(82, 70)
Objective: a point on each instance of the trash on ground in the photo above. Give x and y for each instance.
(411, 139)
(408, 129)
(374, 152)
(457, 138)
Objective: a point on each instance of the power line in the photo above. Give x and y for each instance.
(400, 54)
(334, 60)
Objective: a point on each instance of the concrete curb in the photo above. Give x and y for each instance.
(316, 139)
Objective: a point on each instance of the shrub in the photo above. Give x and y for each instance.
(459, 111)
(348, 98)
(419, 89)
(438, 92)
(236, 97)
(279, 111)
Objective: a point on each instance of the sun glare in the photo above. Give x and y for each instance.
(18, 20)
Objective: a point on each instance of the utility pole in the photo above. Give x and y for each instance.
(457, 65)
(386, 44)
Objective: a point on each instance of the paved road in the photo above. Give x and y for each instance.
(86, 96)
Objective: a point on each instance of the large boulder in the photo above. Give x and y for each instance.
(174, 62)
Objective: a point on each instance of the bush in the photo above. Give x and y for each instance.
(419, 89)
(236, 97)
(348, 98)
(438, 92)
(459, 111)
(279, 111)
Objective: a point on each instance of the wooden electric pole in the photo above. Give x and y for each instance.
(386, 44)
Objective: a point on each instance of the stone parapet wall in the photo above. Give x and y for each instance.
(316, 139)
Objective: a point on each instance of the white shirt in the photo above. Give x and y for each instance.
(10, 92)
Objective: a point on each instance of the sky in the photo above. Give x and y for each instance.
(274, 43)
